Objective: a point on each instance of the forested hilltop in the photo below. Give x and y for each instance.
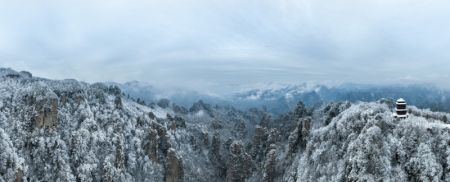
(66, 130)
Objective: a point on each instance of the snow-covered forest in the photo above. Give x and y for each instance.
(66, 130)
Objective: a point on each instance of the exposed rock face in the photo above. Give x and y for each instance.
(299, 137)
(215, 146)
(215, 156)
(288, 122)
(152, 145)
(259, 143)
(240, 165)
(164, 143)
(270, 164)
(47, 112)
(174, 167)
(19, 176)
(241, 132)
(118, 102)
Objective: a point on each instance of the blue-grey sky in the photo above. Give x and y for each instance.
(219, 45)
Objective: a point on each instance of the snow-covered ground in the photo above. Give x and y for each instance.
(73, 131)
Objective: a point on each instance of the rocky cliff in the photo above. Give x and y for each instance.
(65, 130)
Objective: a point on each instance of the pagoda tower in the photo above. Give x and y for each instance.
(400, 109)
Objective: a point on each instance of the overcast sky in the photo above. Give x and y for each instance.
(219, 45)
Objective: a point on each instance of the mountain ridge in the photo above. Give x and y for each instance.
(283, 98)
(67, 130)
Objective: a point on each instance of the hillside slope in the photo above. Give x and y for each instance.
(365, 143)
(65, 130)
(72, 131)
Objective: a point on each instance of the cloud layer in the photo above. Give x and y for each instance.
(216, 45)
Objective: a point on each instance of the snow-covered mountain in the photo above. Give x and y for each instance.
(283, 99)
(73, 131)
(65, 130)
(279, 99)
(365, 143)
(150, 94)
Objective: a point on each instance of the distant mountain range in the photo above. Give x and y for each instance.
(284, 98)
(66, 130)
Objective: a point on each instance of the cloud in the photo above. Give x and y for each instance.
(209, 44)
